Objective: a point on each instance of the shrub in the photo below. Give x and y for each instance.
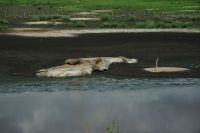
(108, 25)
(49, 18)
(168, 20)
(39, 8)
(140, 25)
(35, 18)
(163, 25)
(183, 17)
(123, 24)
(105, 17)
(43, 18)
(150, 24)
(3, 27)
(3, 24)
(176, 24)
(156, 18)
(132, 18)
(195, 18)
(66, 18)
(79, 24)
(56, 17)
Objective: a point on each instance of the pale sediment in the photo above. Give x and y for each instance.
(42, 23)
(85, 19)
(166, 69)
(82, 66)
(45, 32)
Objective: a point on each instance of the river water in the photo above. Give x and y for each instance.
(124, 98)
(93, 103)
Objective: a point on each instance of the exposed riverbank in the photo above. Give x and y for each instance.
(47, 32)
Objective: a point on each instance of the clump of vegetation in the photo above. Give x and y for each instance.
(66, 18)
(45, 18)
(79, 24)
(132, 18)
(57, 17)
(183, 17)
(106, 17)
(3, 24)
(35, 18)
(156, 18)
(168, 20)
(176, 24)
(163, 25)
(48, 18)
(150, 24)
(123, 25)
(113, 129)
(195, 18)
(140, 25)
(109, 25)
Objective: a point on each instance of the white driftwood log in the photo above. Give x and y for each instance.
(82, 66)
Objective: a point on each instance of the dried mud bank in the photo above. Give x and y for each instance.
(45, 32)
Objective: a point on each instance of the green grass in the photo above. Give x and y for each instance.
(79, 24)
(122, 13)
(3, 24)
(75, 5)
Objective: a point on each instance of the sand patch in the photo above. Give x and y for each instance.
(30, 29)
(47, 32)
(85, 13)
(166, 69)
(102, 11)
(85, 19)
(42, 23)
(39, 32)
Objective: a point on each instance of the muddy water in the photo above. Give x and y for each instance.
(24, 56)
(136, 101)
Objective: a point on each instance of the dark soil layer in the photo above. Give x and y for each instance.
(24, 56)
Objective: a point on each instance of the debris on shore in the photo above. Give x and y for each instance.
(83, 66)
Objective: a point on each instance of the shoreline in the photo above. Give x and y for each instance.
(47, 32)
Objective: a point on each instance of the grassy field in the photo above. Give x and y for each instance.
(123, 13)
(84, 5)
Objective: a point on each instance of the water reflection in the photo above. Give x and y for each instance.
(80, 105)
(95, 83)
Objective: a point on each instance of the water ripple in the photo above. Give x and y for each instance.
(92, 83)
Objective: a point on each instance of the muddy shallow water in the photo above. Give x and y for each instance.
(24, 55)
(137, 101)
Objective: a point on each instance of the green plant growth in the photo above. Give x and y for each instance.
(132, 18)
(106, 17)
(123, 25)
(35, 18)
(85, 5)
(150, 24)
(176, 24)
(79, 24)
(113, 129)
(3, 24)
(108, 25)
(66, 18)
(140, 25)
